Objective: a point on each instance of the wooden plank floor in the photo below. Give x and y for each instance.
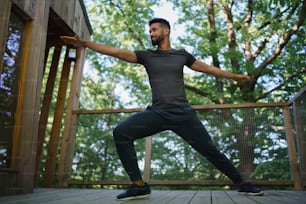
(90, 196)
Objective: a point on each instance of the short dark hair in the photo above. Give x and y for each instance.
(160, 20)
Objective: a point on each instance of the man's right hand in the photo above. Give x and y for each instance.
(75, 41)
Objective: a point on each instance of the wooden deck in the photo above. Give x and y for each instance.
(90, 196)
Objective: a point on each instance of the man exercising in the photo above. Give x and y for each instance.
(170, 109)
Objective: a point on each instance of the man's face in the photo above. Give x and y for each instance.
(156, 33)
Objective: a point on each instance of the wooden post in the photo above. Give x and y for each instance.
(68, 141)
(300, 123)
(148, 154)
(27, 112)
(57, 124)
(292, 150)
(300, 137)
(44, 115)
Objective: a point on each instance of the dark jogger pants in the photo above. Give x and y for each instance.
(181, 120)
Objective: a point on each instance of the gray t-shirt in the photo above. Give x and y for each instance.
(165, 71)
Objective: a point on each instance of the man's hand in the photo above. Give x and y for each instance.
(242, 78)
(75, 41)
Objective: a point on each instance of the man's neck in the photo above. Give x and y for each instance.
(165, 45)
(164, 48)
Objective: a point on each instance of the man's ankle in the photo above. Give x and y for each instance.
(139, 182)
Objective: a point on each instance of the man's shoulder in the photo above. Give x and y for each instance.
(181, 50)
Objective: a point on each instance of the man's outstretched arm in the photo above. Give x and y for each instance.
(122, 54)
(202, 67)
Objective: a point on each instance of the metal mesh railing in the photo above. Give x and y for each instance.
(254, 136)
(298, 110)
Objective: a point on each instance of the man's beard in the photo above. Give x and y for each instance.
(157, 40)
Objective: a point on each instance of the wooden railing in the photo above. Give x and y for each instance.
(292, 150)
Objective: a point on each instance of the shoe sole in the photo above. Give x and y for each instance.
(252, 194)
(135, 197)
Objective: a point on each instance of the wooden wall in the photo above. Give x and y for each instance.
(19, 178)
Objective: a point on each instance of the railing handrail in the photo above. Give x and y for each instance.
(196, 107)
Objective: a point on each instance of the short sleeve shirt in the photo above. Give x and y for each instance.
(165, 71)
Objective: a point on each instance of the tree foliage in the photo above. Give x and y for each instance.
(263, 39)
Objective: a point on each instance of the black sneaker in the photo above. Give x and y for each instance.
(249, 189)
(135, 192)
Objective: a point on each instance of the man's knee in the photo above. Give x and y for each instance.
(120, 133)
(117, 132)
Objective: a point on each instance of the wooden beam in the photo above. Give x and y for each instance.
(240, 105)
(27, 112)
(300, 125)
(44, 115)
(292, 150)
(195, 107)
(108, 111)
(70, 125)
(148, 154)
(19, 151)
(50, 165)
